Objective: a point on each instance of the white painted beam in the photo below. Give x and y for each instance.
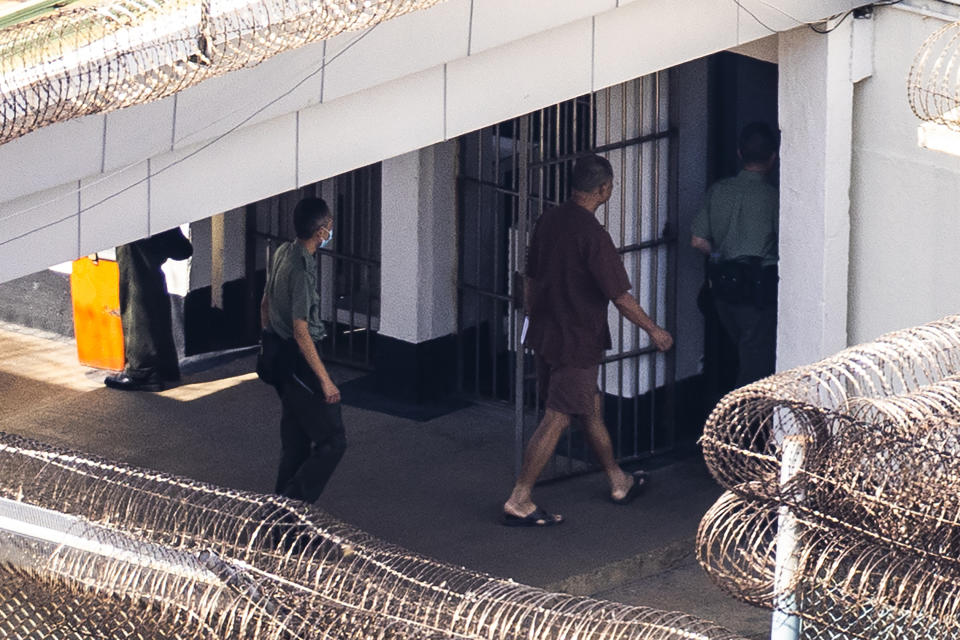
(290, 121)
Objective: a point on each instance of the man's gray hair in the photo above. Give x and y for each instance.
(590, 172)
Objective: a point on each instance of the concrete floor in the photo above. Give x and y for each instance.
(434, 487)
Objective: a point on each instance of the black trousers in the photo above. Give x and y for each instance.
(312, 436)
(149, 349)
(754, 330)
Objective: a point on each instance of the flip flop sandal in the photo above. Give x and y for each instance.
(538, 518)
(640, 480)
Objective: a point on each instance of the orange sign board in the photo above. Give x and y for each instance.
(95, 289)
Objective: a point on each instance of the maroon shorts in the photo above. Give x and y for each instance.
(569, 390)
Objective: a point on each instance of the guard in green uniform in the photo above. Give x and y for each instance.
(312, 436)
(738, 228)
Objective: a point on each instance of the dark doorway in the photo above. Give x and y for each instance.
(741, 90)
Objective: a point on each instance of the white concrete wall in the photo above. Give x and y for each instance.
(83, 185)
(232, 259)
(418, 291)
(816, 95)
(869, 220)
(905, 201)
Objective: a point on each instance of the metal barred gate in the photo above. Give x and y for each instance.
(507, 175)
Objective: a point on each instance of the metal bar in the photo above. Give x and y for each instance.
(639, 351)
(554, 150)
(478, 236)
(655, 257)
(637, 86)
(541, 178)
(658, 242)
(612, 146)
(625, 130)
(336, 263)
(571, 128)
(251, 305)
(492, 185)
(461, 260)
(495, 319)
(523, 207)
(372, 262)
(673, 215)
(364, 274)
(593, 121)
(606, 138)
(353, 212)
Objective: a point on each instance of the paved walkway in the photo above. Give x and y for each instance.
(433, 487)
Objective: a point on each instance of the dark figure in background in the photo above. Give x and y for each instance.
(738, 228)
(312, 437)
(573, 272)
(150, 355)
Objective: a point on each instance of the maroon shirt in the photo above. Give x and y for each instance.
(576, 272)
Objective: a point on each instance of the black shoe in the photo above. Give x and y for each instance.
(170, 375)
(124, 382)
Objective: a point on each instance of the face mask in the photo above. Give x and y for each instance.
(324, 244)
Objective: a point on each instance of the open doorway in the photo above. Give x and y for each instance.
(741, 90)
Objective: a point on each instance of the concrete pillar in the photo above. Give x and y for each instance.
(415, 351)
(816, 108)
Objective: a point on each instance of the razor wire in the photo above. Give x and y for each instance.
(89, 544)
(875, 501)
(933, 86)
(96, 57)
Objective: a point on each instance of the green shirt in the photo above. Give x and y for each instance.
(292, 291)
(741, 217)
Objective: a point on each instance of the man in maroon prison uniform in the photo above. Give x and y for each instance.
(573, 272)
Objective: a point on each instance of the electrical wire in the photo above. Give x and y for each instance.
(196, 151)
(754, 16)
(770, 5)
(885, 3)
(813, 25)
(835, 26)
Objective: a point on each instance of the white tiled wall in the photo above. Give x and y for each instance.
(412, 82)
(497, 22)
(51, 156)
(194, 183)
(135, 134)
(519, 77)
(113, 209)
(220, 104)
(38, 230)
(636, 40)
(379, 123)
(397, 48)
